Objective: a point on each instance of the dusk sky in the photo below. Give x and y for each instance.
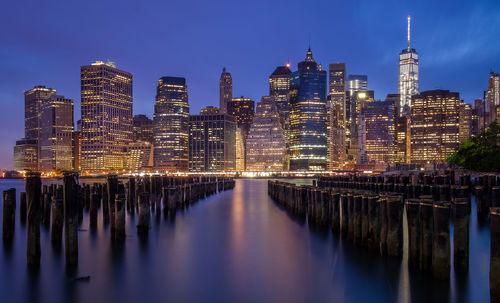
(46, 42)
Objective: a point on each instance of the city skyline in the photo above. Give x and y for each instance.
(248, 67)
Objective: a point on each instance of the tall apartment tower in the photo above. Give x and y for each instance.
(171, 125)
(225, 90)
(56, 136)
(265, 143)
(435, 129)
(408, 74)
(212, 142)
(493, 96)
(106, 106)
(308, 145)
(337, 89)
(279, 90)
(27, 150)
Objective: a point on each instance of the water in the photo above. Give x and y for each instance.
(236, 246)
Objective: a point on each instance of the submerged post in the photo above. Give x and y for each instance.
(70, 180)
(33, 193)
(413, 219)
(441, 240)
(495, 254)
(9, 214)
(144, 215)
(119, 217)
(460, 234)
(57, 216)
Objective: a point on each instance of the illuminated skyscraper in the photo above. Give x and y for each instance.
(477, 123)
(493, 95)
(56, 135)
(243, 110)
(357, 83)
(26, 155)
(225, 90)
(308, 146)
(106, 106)
(465, 121)
(279, 90)
(435, 129)
(337, 89)
(171, 125)
(212, 142)
(265, 146)
(408, 74)
(378, 118)
(33, 100)
(140, 156)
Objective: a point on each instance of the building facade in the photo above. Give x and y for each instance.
(56, 135)
(465, 126)
(265, 146)
(379, 131)
(408, 74)
(212, 142)
(26, 155)
(337, 90)
(435, 119)
(493, 97)
(308, 145)
(225, 90)
(171, 125)
(142, 128)
(140, 156)
(106, 107)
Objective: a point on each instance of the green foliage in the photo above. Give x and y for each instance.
(480, 153)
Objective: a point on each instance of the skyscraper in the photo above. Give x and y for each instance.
(225, 90)
(279, 90)
(408, 74)
(493, 95)
(56, 135)
(265, 143)
(477, 123)
(337, 89)
(379, 130)
(106, 106)
(26, 155)
(212, 142)
(243, 110)
(434, 126)
(33, 100)
(465, 127)
(308, 146)
(357, 83)
(171, 125)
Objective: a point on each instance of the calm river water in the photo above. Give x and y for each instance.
(236, 246)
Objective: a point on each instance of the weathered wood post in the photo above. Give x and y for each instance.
(495, 254)
(335, 200)
(112, 190)
(344, 223)
(22, 207)
(94, 203)
(460, 234)
(394, 226)
(413, 219)
(70, 180)
(131, 194)
(441, 240)
(9, 214)
(427, 229)
(144, 215)
(105, 204)
(383, 224)
(357, 201)
(120, 217)
(364, 220)
(33, 196)
(374, 223)
(57, 216)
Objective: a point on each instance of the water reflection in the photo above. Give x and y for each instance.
(234, 246)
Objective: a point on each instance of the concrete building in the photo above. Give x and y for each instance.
(106, 107)
(171, 125)
(265, 146)
(212, 142)
(435, 119)
(56, 135)
(225, 90)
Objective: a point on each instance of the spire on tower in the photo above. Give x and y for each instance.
(409, 19)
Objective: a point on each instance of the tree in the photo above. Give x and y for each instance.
(480, 153)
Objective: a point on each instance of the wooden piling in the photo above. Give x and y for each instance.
(57, 216)
(70, 180)
(22, 207)
(495, 254)
(441, 240)
(9, 214)
(112, 181)
(414, 241)
(33, 196)
(460, 234)
(144, 214)
(120, 217)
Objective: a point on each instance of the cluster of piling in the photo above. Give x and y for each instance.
(60, 208)
(368, 211)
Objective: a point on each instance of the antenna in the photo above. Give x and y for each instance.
(409, 19)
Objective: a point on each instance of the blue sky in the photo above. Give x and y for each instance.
(45, 42)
